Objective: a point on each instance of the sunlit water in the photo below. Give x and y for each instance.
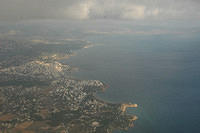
(161, 74)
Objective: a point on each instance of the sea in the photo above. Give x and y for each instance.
(155, 65)
(161, 73)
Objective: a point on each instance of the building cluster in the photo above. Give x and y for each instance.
(38, 96)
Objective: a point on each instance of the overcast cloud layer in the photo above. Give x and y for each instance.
(99, 9)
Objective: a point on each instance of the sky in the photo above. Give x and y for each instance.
(99, 9)
(103, 17)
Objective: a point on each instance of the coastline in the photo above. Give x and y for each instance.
(122, 106)
(67, 101)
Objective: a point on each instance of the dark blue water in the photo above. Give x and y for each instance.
(161, 74)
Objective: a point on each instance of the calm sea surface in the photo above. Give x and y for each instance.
(160, 73)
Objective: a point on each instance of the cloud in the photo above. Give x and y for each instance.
(112, 32)
(98, 9)
(79, 10)
(116, 9)
(134, 12)
(135, 32)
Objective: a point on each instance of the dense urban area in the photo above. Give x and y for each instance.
(38, 95)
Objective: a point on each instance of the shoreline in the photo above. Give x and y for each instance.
(123, 106)
(67, 95)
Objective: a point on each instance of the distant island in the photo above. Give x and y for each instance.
(37, 95)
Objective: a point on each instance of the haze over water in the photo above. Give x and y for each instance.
(159, 72)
